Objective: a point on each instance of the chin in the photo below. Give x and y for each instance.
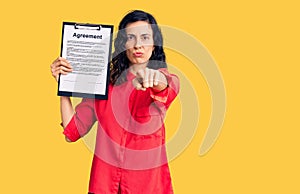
(140, 62)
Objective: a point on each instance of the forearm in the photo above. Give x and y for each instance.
(66, 110)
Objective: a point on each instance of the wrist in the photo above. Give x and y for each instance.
(64, 98)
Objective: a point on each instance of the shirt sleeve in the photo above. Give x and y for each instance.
(167, 95)
(82, 121)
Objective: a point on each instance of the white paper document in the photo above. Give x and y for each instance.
(88, 49)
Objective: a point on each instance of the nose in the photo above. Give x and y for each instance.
(138, 43)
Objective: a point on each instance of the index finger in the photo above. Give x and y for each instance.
(59, 59)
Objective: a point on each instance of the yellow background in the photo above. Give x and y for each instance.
(256, 46)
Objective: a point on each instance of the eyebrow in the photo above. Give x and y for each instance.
(145, 34)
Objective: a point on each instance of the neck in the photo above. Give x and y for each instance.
(136, 67)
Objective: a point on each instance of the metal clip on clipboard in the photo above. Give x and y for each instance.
(87, 26)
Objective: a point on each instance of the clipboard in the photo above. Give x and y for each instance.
(88, 49)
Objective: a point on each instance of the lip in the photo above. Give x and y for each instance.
(137, 54)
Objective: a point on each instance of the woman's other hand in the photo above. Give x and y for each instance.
(149, 78)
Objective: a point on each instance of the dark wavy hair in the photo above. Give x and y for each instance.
(120, 62)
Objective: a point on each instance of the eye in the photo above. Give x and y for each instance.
(130, 37)
(146, 37)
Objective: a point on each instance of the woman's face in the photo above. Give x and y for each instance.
(139, 44)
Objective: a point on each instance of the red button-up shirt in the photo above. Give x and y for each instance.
(130, 155)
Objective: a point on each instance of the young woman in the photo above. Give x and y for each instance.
(130, 154)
